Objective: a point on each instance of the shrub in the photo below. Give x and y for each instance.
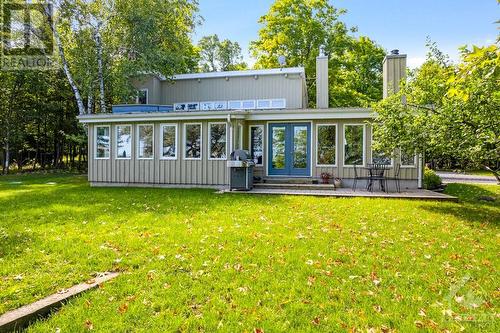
(431, 180)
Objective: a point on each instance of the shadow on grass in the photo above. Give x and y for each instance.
(472, 207)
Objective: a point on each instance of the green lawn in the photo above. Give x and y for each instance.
(193, 260)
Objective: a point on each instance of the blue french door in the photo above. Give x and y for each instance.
(289, 149)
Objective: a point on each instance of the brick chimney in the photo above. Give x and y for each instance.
(394, 70)
(322, 81)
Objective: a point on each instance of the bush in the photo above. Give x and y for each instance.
(431, 180)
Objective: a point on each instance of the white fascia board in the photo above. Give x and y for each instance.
(312, 114)
(258, 72)
(147, 117)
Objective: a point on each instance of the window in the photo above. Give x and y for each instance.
(408, 159)
(168, 142)
(279, 103)
(241, 105)
(102, 142)
(246, 105)
(263, 104)
(123, 141)
(257, 143)
(142, 96)
(379, 157)
(145, 141)
(326, 144)
(354, 138)
(218, 138)
(232, 105)
(192, 141)
(192, 106)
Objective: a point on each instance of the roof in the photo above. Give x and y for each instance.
(252, 72)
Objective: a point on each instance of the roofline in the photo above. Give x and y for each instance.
(252, 72)
(264, 115)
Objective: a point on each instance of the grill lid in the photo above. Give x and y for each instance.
(240, 155)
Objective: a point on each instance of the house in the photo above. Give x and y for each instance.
(182, 129)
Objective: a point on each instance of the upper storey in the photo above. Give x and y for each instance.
(282, 88)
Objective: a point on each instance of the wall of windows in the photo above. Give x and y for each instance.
(257, 143)
(326, 144)
(354, 144)
(408, 159)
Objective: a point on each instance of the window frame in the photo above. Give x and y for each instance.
(408, 166)
(364, 145)
(336, 145)
(147, 96)
(250, 141)
(95, 143)
(138, 140)
(371, 151)
(184, 142)
(210, 158)
(116, 142)
(167, 158)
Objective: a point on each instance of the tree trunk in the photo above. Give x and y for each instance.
(69, 76)
(494, 172)
(100, 75)
(7, 155)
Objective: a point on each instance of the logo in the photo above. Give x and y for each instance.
(27, 40)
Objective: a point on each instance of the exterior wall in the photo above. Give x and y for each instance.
(156, 171)
(322, 82)
(290, 87)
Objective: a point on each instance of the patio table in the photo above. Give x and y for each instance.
(376, 172)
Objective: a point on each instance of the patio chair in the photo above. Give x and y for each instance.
(357, 177)
(377, 174)
(396, 178)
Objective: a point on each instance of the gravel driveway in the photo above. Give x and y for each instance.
(452, 177)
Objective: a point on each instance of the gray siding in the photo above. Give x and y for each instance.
(219, 89)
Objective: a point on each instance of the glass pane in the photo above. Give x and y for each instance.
(169, 142)
(102, 143)
(380, 158)
(193, 141)
(256, 144)
(278, 153)
(326, 145)
(123, 141)
(300, 147)
(146, 141)
(353, 145)
(407, 158)
(218, 141)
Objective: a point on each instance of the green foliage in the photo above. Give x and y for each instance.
(217, 55)
(298, 28)
(431, 179)
(193, 260)
(447, 110)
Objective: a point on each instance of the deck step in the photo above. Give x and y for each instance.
(290, 180)
(296, 186)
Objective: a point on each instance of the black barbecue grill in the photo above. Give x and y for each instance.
(241, 170)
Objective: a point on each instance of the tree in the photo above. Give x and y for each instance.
(217, 55)
(297, 29)
(447, 110)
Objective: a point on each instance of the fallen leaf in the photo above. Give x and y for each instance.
(123, 308)
(315, 321)
(88, 325)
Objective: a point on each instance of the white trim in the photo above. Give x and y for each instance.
(184, 143)
(258, 72)
(116, 141)
(147, 96)
(138, 155)
(286, 116)
(250, 142)
(371, 149)
(343, 144)
(210, 141)
(95, 142)
(160, 145)
(336, 145)
(268, 152)
(240, 136)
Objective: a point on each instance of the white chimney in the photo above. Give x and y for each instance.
(394, 70)
(322, 81)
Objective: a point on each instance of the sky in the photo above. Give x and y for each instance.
(393, 24)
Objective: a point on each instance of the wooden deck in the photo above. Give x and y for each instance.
(347, 192)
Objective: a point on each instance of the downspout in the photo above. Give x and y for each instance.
(230, 146)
